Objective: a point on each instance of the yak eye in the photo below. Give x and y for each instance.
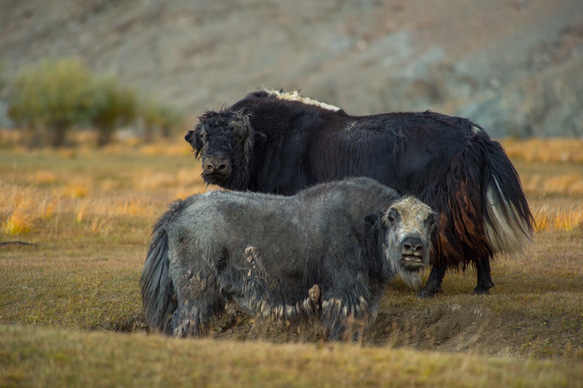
(392, 216)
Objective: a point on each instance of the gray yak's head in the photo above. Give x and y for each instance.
(407, 227)
(223, 142)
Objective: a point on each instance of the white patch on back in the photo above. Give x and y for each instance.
(297, 97)
(476, 130)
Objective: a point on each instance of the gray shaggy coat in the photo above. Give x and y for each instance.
(327, 252)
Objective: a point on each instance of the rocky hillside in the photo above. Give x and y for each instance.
(514, 66)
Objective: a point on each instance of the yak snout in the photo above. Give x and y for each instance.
(216, 169)
(413, 252)
(217, 166)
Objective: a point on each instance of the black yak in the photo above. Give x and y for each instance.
(276, 142)
(327, 252)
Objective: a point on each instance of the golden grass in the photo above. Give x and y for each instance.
(545, 150)
(44, 177)
(76, 190)
(29, 207)
(564, 219)
(33, 196)
(88, 192)
(571, 184)
(20, 209)
(166, 148)
(16, 224)
(44, 189)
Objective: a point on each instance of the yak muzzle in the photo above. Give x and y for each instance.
(413, 253)
(216, 170)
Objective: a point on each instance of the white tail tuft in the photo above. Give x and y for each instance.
(507, 231)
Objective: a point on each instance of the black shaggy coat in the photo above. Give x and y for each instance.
(278, 142)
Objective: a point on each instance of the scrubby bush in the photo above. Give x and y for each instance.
(158, 118)
(112, 106)
(51, 96)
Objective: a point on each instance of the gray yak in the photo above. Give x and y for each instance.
(327, 252)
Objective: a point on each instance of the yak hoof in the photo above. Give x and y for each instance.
(481, 291)
(429, 292)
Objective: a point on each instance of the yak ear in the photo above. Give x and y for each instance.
(189, 136)
(193, 138)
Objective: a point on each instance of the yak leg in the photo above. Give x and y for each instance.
(186, 322)
(192, 319)
(199, 300)
(484, 278)
(344, 319)
(433, 285)
(332, 317)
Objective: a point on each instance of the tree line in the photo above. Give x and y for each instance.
(54, 97)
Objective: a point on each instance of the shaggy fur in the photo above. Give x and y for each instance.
(327, 252)
(448, 162)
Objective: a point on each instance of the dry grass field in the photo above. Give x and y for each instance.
(74, 231)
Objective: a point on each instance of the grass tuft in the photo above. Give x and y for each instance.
(20, 209)
(17, 224)
(76, 190)
(44, 177)
(552, 218)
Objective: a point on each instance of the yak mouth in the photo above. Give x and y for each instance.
(413, 262)
(215, 178)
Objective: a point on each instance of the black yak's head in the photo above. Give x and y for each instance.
(223, 142)
(406, 229)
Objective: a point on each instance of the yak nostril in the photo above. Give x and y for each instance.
(412, 245)
(217, 165)
(412, 248)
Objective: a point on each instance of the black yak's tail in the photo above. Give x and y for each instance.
(158, 295)
(508, 221)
